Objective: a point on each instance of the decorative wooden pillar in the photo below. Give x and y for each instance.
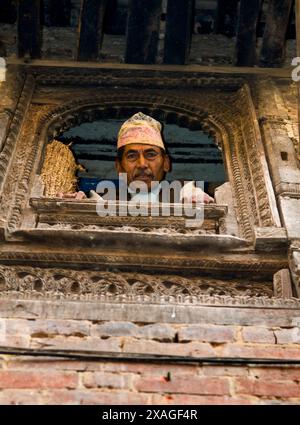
(143, 31)
(226, 17)
(29, 28)
(273, 47)
(245, 54)
(179, 23)
(91, 29)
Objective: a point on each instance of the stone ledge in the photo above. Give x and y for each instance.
(265, 312)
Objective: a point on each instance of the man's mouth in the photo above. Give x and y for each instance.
(144, 176)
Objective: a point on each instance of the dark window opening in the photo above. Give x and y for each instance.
(194, 154)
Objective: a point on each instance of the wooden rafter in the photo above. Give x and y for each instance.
(245, 54)
(29, 28)
(143, 31)
(178, 31)
(274, 40)
(91, 29)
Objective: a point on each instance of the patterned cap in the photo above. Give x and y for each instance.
(142, 129)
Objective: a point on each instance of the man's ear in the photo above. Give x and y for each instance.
(167, 164)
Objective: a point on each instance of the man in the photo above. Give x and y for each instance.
(142, 158)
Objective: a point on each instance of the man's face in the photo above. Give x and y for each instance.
(146, 163)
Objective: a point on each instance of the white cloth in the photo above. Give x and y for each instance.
(145, 197)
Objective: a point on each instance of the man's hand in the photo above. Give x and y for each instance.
(72, 195)
(190, 193)
(79, 196)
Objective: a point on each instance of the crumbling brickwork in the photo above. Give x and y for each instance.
(53, 380)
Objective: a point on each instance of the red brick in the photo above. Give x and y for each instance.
(20, 341)
(77, 343)
(215, 370)
(59, 327)
(47, 328)
(147, 368)
(291, 373)
(157, 331)
(95, 397)
(288, 336)
(74, 397)
(207, 333)
(184, 385)
(153, 347)
(21, 397)
(115, 329)
(37, 379)
(258, 335)
(105, 379)
(25, 363)
(183, 399)
(271, 388)
(268, 352)
(53, 363)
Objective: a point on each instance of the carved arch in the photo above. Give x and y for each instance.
(229, 119)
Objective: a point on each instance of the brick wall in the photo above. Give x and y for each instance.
(53, 380)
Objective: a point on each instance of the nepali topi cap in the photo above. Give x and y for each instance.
(140, 128)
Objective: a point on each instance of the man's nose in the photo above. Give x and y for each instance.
(142, 161)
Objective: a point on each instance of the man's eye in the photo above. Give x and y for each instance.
(151, 155)
(131, 156)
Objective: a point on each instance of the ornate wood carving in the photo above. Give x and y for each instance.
(81, 77)
(218, 119)
(15, 127)
(241, 262)
(66, 282)
(26, 283)
(294, 263)
(282, 284)
(229, 118)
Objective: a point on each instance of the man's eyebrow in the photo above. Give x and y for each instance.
(150, 150)
(131, 151)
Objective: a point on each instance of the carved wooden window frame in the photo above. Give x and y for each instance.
(229, 117)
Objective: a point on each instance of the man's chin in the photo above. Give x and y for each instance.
(140, 181)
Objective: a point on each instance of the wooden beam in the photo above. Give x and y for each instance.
(273, 47)
(180, 14)
(226, 17)
(59, 13)
(91, 29)
(245, 54)
(143, 31)
(201, 70)
(29, 28)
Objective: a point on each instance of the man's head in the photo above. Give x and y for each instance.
(141, 152)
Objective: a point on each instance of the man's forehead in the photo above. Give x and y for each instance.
(140, 147)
